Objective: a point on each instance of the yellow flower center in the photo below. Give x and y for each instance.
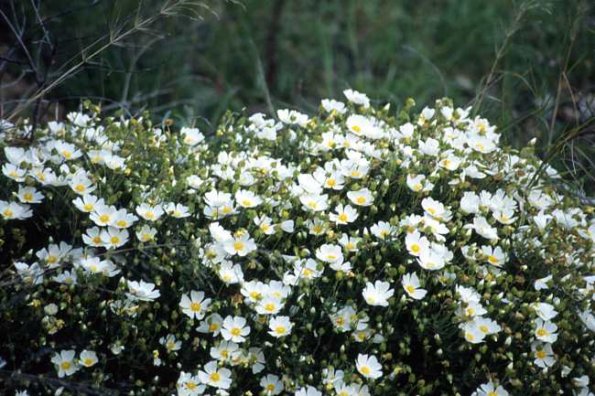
(191, 385)
(356, 129)
(280, 330)
(255, 295)
(88, 362)
(104, 218)
(331, 182)
(150, 215)
(365, 370)
(484, 329)
(195, 307)
(97, 240)
(361, 200)
(415, 248)
(28, 197)
(215, 377)
(88, 207)
(541, 332)
(67, 154)
(343, 217)
(213, 327)
(79, 188)
(65, 365)
(410, 289)
(7, 213)
(115, 240)
(236, 331)
(246, 202)
(492, 259)
(270, 307)
(121, 223)
(238, 246)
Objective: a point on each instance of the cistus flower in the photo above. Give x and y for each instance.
(359, 250)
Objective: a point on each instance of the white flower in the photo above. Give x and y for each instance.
(271, 385)
(247, 199)
(545, 331)
(29, 195)
(486, 325)
(212, 324)
(189, 385)
(331, 254)
(314, 202)
(225, 351)
(382, 230)
(377, 294)
(113, 238)
(123, 219)
(416, 244)
(241, 245)
(87, 203)
(308, 391)
(178, 211)
(148, 212)
(142, 291)
(195, 305)
(65, 363)
(81, 184)
(216, 377)
(280, 326)
(14, 211)
(103, 215)
(192, 136)
(331, 105)
(490, 389)
(411, 285)
(418, 183)
(431, 260)
(368, 366)
(362, 197)
(545, 311)
(88, 358)
(170, 343)
(146, 233)
(494, 256)
(343, 214)
(94, 265)
(483, 228)
(68, 151)
(292, 117)
(435, 209)
(357, 98)
(230, 273)
(363, 126)
(269, 306)
(472, 333)
(235, 329)
(543, 354)
(469, 202)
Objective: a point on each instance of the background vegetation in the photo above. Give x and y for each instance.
(528, 65)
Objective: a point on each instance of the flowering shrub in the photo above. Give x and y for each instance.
(354, 252)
